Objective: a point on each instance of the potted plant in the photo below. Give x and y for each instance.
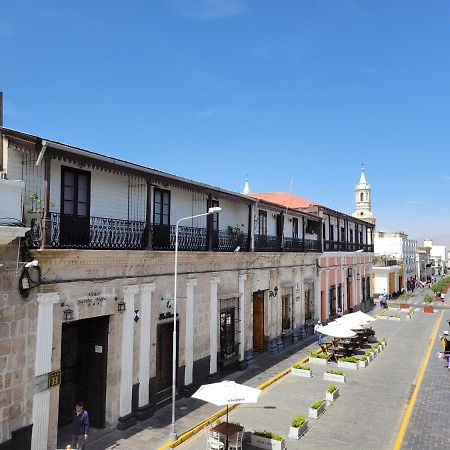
(267, 440)
(348, 362)
(317, 409)
(428, 308)
(332, 393)
(363, 361)
(336, 376)
(318, 358)
(298, 427)
(235, 234)
(300, 370)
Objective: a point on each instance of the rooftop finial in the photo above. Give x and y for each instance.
(246, 189)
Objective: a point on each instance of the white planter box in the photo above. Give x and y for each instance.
(347, 365)
(266, 443)
(363, 363)
(334, 377)
(301, 373)
(296, 433)
(316, 413)
(331, 396)
(319, 361)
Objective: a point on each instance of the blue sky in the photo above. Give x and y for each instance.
(215, 90)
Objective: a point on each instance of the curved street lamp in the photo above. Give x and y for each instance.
(213, 210)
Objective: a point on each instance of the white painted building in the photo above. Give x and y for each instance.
(395, 245)
(438, 256)
(386, 280)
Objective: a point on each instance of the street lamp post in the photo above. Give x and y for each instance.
(213, 210)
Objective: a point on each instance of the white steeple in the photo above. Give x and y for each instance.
(246, 189)
(363, 209)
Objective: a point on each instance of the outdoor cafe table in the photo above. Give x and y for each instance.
(227, 429)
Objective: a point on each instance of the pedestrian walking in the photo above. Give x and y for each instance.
(316, 330)
(80, 427)
(445, 344)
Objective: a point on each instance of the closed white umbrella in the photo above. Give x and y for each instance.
(337, 330)
(227, 393)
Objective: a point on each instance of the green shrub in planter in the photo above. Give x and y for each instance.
(331, 388)
(268, 434)
(298, 421)
(301, 367)
(318, 355)
(318, 404)
(428, 298)
(364, 358)
(335, 372)
(352, 359)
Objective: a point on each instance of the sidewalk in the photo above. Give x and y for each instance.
(154, 432)
(429, 423)
(366, 415)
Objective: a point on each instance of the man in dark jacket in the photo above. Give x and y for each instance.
(80, 427)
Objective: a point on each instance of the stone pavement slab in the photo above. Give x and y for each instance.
(366, 416)
(429, 425)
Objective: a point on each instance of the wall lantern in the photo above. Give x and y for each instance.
(121, 306)
(68, 314)
(274, 292)
(358, 277)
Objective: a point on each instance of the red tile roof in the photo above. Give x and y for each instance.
(284, 199)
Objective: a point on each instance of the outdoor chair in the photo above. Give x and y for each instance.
(235, 441)
(212, 442)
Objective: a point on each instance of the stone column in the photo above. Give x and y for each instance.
(42, 366)
(213, 321)
(144, 410)
(344, 284)
(127, 419)
(327, 293)
(317, 299)
(242, 279)
(189, 344)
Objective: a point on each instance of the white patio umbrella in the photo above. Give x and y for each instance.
(337, 330)
(364, 316)
(350, 322)
(227, 393)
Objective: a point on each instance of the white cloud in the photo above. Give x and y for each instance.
(208, 9)
(414, 202)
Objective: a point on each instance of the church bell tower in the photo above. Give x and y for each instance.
(363, 201)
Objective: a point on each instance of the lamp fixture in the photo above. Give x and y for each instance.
(274, 292)
(68, 314)
(358, 277)
(121, 306)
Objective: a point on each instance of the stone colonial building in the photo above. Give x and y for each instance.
(92, 318)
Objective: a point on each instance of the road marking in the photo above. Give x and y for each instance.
(417, 383)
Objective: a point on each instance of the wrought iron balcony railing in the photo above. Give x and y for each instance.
(68, 231)
(189, 238)
(264, 243)
(334, 246)
(224, 241)
(293, 245)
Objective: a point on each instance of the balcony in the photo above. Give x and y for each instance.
(97, 233)
(264, 243)
(277, 244)
(335, 246)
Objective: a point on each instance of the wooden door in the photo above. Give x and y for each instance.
(93, 357)
(258, 321)
(323, 307)
(84, 356)
(161, 219)
(349, 296)
(164, 354)
(74, 227)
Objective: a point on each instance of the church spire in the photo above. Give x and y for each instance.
(363, 201)
(246, 189)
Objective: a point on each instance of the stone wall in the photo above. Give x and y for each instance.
(17, 344)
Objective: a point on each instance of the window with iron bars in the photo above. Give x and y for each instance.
(286, 312)
(229, 327)
(309, 302)
(332, 301)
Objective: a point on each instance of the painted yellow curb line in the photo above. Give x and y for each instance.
(418, 382)
(199, 427)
